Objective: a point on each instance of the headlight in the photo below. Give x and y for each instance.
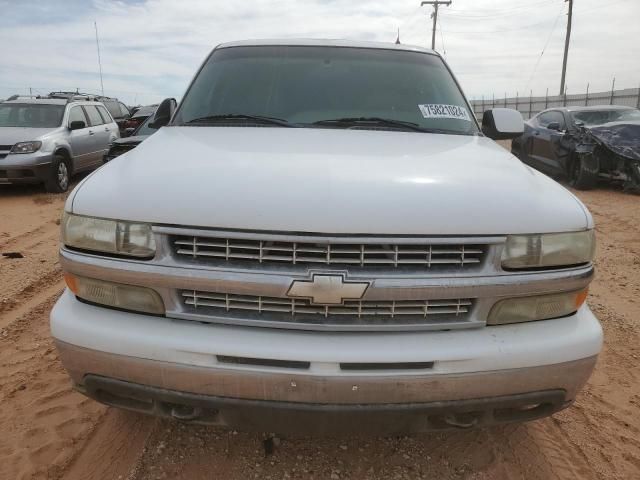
(539, 307)
(116, 295)
(548, 250)
(26, 147)
(108, 236)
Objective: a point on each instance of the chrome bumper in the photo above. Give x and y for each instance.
(262, 400)
(298, 387)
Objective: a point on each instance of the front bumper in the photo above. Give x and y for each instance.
(179, 368)
(25, 168)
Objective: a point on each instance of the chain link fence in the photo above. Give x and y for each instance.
(530, 106)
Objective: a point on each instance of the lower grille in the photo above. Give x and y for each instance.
(296, 311)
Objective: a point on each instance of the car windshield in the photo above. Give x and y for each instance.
(144, 111)
(591, 118)
(145, 129)
(30, 115)
(629, 115)
(339, 87)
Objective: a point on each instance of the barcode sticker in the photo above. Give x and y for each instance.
(435, 110)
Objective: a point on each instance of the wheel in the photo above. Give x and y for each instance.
(58, 181)
(583, 172)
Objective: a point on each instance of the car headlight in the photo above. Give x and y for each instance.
(102, 235)
(115, 295)
(548, 250)
(538, 307)
(26, 147)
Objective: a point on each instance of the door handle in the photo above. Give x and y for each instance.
(90, 132)
(106, 129)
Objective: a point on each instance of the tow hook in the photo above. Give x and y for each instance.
(461, 420)
(185, 412)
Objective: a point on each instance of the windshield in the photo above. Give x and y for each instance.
(304, 85)
(592, 118)
(30, 115)
(145, 129)
(629, 115)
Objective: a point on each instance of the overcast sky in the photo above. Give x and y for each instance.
(151, 48)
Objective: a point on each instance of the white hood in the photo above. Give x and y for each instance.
(328, 181)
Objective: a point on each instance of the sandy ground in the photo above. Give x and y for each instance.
(48, 431)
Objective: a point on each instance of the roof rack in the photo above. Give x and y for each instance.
(19, 97)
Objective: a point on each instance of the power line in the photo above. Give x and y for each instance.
(546, 44)
(444, 50)
(499, 12)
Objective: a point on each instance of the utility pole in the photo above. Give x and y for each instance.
(434, 16)
(566, 46)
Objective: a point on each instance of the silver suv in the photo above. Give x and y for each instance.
(48, 140)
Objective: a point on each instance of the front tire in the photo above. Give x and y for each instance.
(59, 176)
(583, 174)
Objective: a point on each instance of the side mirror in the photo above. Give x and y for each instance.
(77, 125)
(554, 126)
(502, 123)
(163, 113)
(128, 131)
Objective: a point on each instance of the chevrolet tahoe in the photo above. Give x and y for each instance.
(322, 237)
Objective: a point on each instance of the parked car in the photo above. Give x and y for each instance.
(322, 239)
(584, 144)
(140, 134)
(48, 140)
(118, 111)
(138, 117)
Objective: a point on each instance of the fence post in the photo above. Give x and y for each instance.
(517, 101)
(493, 100)
(613, 85)
(505, 99)
(586, 97)
(638, 99)
(530, 102)
(546, 99)
(482, 104)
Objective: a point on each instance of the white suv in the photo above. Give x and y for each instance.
(323, 239)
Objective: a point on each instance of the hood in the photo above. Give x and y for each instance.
(12, 135)
(328, 181)
(622, 138)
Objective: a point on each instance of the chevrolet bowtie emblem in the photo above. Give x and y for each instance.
(327, 289)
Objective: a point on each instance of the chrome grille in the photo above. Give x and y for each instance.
(302, 311)
(393, 255)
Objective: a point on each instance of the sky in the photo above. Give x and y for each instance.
(150, 49)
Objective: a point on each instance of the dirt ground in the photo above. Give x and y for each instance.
(50, 432)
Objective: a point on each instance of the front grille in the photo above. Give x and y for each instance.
(388, 255)
(351, 312)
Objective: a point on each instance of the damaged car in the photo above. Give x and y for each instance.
(584, 145)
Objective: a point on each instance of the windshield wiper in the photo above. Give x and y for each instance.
(354, 121)
(239, 116)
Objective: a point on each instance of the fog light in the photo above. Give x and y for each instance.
(539, 307)
(116, 295)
